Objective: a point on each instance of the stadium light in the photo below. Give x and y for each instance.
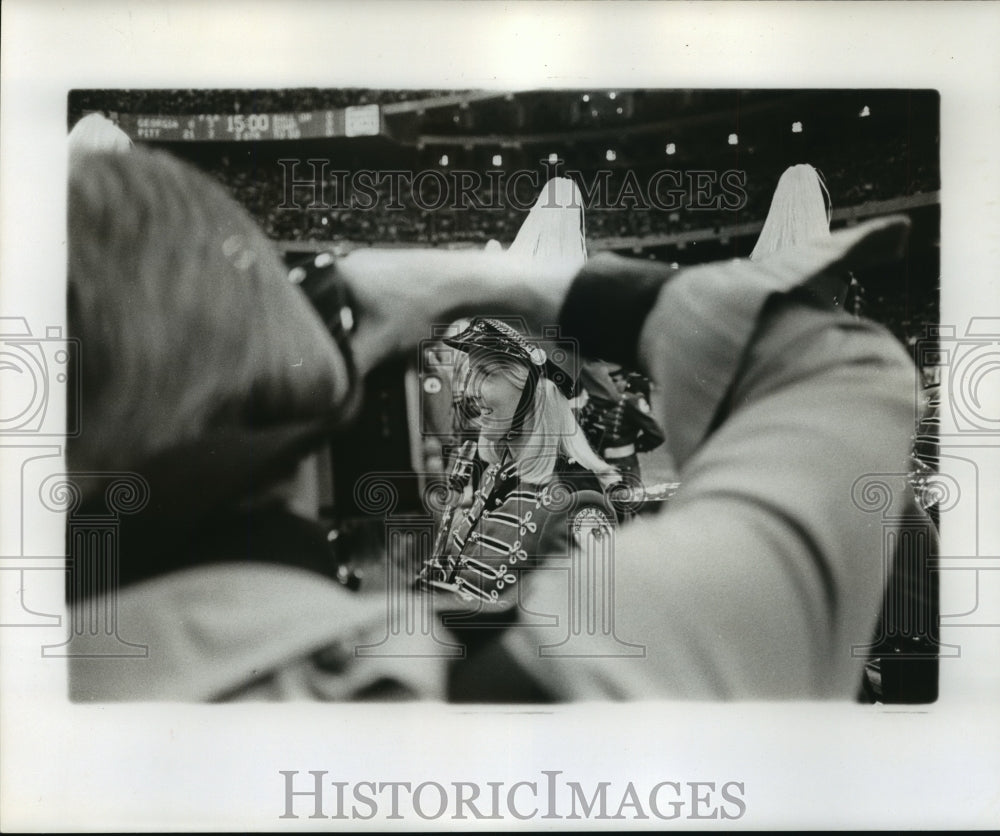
(497, 160)
(444, 159)
(864, 112)
(796, 127)
(610, 155)
(733, 139)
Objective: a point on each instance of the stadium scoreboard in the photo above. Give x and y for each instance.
(362, 120)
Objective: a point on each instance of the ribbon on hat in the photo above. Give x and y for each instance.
(535, 354)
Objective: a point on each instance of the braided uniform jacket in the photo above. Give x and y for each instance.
(514, 526)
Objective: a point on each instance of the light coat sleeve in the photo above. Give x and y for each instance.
(791, 426)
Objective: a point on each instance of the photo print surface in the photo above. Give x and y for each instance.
(399, 532)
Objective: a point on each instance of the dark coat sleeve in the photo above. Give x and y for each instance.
(649, 435)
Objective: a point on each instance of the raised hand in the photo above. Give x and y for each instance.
(401, 294)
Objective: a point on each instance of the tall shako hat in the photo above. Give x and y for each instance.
(800, 212)
(554, 228)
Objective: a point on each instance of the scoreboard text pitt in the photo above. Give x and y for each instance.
(363, 120)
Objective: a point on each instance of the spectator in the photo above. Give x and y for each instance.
(753, 585)
(208, 374)
(618, 423)
(766, 569)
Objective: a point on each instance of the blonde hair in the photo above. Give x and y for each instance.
(799, 213)
(185, 317)
(550, 428)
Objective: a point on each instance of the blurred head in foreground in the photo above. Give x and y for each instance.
(188, 326)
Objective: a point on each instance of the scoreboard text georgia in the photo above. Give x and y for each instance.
(364, 120)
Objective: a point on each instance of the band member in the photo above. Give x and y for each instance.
(553, 230)
(618, 422)
(540, 476)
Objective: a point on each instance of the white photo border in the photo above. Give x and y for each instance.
(169, 767)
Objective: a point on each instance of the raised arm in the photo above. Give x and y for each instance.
(767, 567)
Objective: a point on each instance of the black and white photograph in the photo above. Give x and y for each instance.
(507, 509)
(485, 450)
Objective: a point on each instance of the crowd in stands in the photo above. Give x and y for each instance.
(183, 102)
(261, 186)
(879, 166)
(850, 184)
